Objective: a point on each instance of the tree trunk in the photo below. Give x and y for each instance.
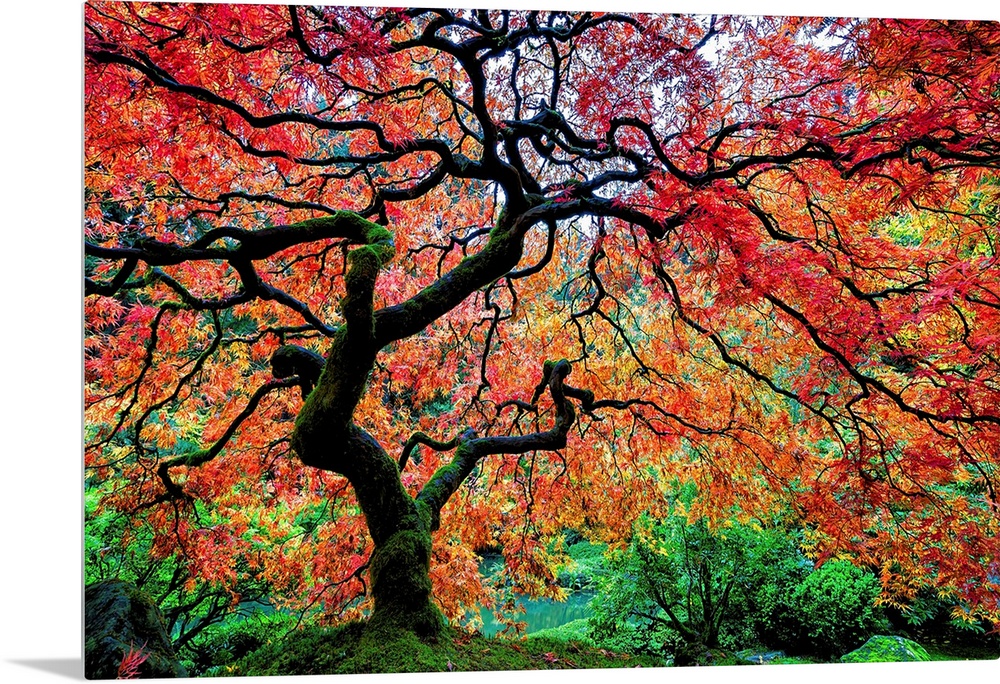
(401, 585)
(400, 528)
(400, 564)
(326, 437)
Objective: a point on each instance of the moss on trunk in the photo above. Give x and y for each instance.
(326, 436)
(401, 585)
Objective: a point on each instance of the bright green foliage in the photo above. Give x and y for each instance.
(681, 586)
(586, 564)
(776, 598)
(767, 616)
(834, 609)
(221, 645)
(576, 631)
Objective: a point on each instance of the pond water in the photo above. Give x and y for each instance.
(538, 613)
(543, 613)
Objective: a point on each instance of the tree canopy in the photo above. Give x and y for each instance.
(359, 275)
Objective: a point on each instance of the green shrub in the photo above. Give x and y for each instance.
(765, 594)
(222, 645)
(683, 588)
(774, 567)
(585, 566)
(777, 568)
(832, 611)
(614, 624)
(575, 631)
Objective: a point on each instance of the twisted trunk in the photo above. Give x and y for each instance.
(400, 527)
(326, 437)
(400, 565)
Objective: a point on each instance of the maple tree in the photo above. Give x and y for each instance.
(370, 289)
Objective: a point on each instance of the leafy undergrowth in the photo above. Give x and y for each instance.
(352, 649)
(796, 660)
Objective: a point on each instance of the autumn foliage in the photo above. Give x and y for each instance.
(133, 659)
(559, 264)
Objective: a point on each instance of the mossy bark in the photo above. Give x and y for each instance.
(400, 529)
(401, 585)
(326, 437)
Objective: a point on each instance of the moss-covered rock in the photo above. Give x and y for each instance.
(887, 649)
(118, 618)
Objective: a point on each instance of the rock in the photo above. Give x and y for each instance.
(887, 649)
(119, 618)
(758, 658)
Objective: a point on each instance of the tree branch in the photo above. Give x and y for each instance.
(197, 458)
(469, 450)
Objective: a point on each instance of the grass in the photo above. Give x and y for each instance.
(961, 652)
(352, 649)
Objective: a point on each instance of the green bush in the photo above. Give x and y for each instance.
(575, 631)
(224, 644)
(832, 611)
(764, 594)
(778, 567)
(683, 588)
(585, 566)
(614, 624)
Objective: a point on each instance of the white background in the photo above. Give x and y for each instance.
(40, 310)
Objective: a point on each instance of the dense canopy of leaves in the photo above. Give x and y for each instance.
(766, 249)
